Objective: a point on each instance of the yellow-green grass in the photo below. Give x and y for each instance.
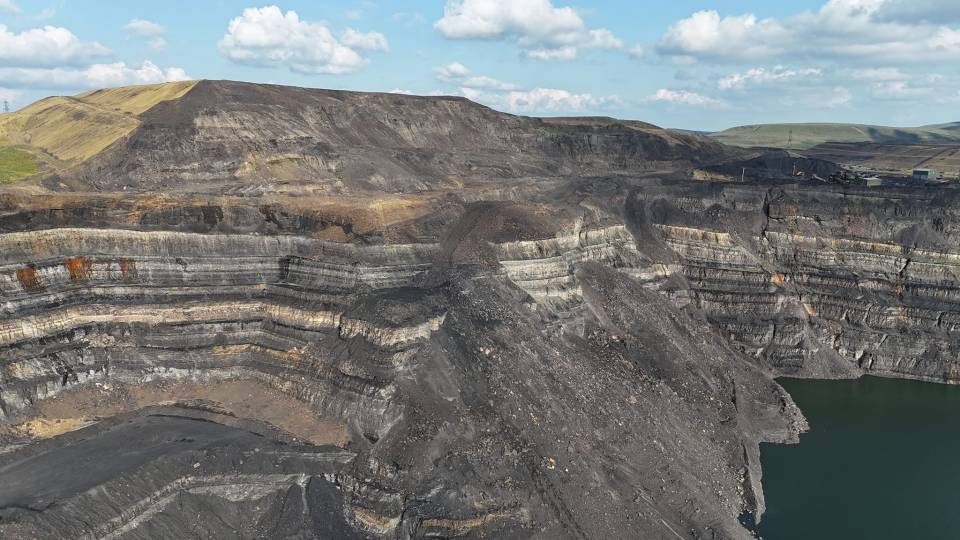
(74, 129)
(16, 164)
(135, 99)
(805, 136)
(68, 129)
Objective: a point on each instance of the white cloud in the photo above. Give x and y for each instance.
(486, 19)
(10, 95)
(706, 34)
(559, 53)
(542, 30)
(9, 6)
(401, 91)
(371, 41)
(878, 74)
(94, 76)
(539, 100)
(142, 27)
(52, 57)
(458, 74)
(46, 13)
(848, 29)
(409, 19)
(267, 37)
(759, 76)
(157, 43)
(932, 11)
(838, 97)
(148, 29)
(898, 90)
(553, 100)
(47, 46)
(684, 97)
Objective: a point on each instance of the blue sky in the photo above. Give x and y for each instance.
(698, 64)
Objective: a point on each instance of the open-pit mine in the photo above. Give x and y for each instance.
(231, 310)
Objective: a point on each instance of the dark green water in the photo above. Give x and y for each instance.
(881, 461)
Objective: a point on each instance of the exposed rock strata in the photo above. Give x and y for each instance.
(513, 327)
(376, 335)
(819, 281)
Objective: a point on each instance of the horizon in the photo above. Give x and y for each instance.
(701, 66)
(484, 105)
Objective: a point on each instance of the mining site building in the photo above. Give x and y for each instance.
(924, 175)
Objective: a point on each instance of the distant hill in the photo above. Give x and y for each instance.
(805, 136)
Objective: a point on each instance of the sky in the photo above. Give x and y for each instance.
(692, 64)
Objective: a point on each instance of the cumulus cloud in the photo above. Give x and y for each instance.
(760, 76)
(684, 97)
(848, 29)
(47, 46)
(537, 100)
(94, 76)
(838, 97)
(511, 97)
(9, 6)
(268, 37)
(878, 74)
(637, 51)
(706, 34)
(148, 29)
(542, 30)
(409, 18)
(142, 27)
(555, 100)
(458, 74)
(158, 43)
(53, 58)
(370, 41)
(900, 90)
(930, 11)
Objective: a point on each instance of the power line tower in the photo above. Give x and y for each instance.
(6, 106)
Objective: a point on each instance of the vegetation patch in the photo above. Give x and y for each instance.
(74, 129)
(16, 164)
(806, 136)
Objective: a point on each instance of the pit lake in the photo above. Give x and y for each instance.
(881, 461)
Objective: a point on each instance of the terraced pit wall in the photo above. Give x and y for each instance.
(819, 281)
(485, 380)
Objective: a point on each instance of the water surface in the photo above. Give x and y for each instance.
(881, 461)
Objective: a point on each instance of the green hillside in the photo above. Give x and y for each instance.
(15, 164)
(804, 136)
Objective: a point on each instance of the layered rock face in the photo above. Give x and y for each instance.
(817, 281)
(276, 312)
(480, 384)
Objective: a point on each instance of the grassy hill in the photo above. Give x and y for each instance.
(58, 132)
(805, 136)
